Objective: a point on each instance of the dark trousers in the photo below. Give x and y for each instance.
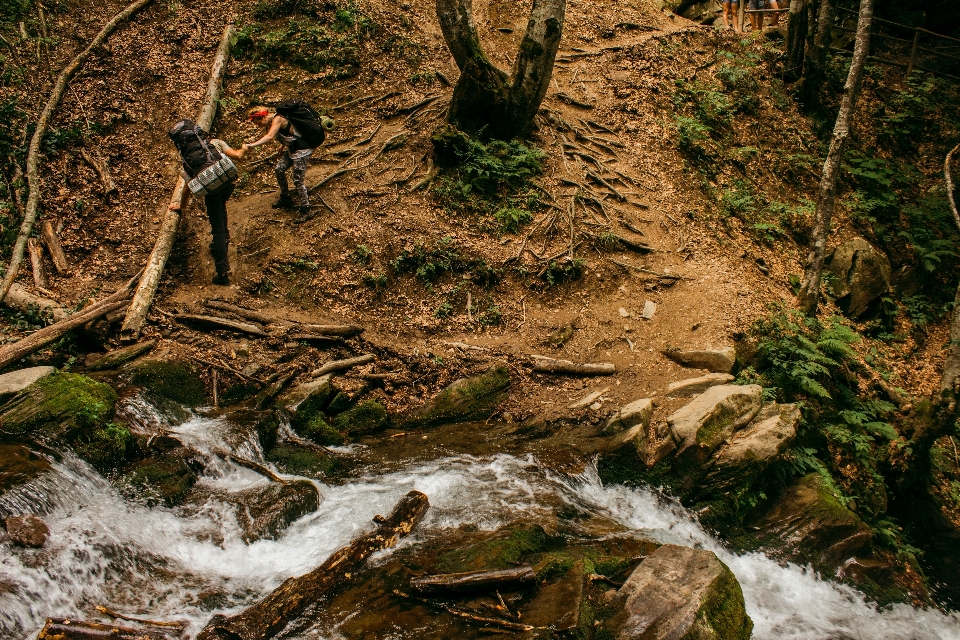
(216, 204)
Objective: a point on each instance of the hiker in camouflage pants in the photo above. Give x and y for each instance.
(297, 160)
(295, 154)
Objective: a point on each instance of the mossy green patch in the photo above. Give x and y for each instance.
(367, 417)
(498, 553)
(320, 431)
(58, 407)
(312, 405)
(723, 612)
(173, 380)
(339, 404)
(162, 479)
(106, 447)
(238, 392)
(474, 398)
(300, 461)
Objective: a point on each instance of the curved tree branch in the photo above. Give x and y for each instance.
(33, 177)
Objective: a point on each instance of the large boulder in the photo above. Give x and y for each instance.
(364, 418)
(265, 512)
(16, 381)
(701, 426)
(715, 360)
(634, 414)
(860, 277)
(679, 593)
(164, 478)
(809, 525)
(27, 531)
(58, 408)
(466, 400)
(693, 386)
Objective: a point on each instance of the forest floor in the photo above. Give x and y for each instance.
(609, 109)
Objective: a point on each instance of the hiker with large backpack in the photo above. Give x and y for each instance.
(207, 167)
(296, 126)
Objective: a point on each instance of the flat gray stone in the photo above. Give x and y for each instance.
(694, 386)
(637, 413)
(649, 308)
(715, 360)
(713, 416)
(681, 593)
(16, 381)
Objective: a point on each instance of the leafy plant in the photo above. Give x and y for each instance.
(430, 263)
(362, 254)
(511, 219)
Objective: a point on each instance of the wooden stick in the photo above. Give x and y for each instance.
(147, 289)
(542, 364)
(52, 243)
(342, 365)
(213, 322)
(256, 467)
(36, 261)
(33, 153)
(471, 582)
(69, 629)
(239, 311)
(339, 330)
(270, 616)
(220, 365)
(176, 624)
(100, 165)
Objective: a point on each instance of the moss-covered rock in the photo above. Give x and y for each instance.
(507, 549)
(164, 478)
(310, 399)
(177, 381)
(467, 399)
(338, 404)
(367, 417)
(123, 355)
(320, 431)
(304, 462)
(238, 392)
(265, 512)
(106, 447)
(58, 408)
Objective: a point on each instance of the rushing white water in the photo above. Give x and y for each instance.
(169, 564)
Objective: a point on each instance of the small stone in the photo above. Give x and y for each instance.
(623, 312)
(596, 406)
(507, 416)
(27, 531)
(649, 308)
(251, 369)
(622, 289)
(715, 360)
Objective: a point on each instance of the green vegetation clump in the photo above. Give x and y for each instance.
(59, 407)
(429, 263)
(304, 462)
(320, 431)
(106, 447)
(364, 418)
(175, 381)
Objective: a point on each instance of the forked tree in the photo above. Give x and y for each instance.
(487, 100)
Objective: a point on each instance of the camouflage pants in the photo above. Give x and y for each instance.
(297, 160)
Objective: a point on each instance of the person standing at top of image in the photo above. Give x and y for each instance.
(730, 9)
(206, 172)
(296, 126)
(756, 19)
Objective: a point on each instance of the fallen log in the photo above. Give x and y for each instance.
(249, 314)
(33, 153)
(110, 613)
(52, 242)
(639, 247)
(466, 615)
(339, 330)
(270, 616)
(342, 365)
(36, 261)
(215, 322)
(22, 300)
(543, 364)
(147, 288)
(474, 581)
(67, 629)
(100, 165)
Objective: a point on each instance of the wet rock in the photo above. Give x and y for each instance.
(557, 604)
(265, 512)
(715, 360)
(860, 277)
(16, 381)
(366, 417)
(172, 380)
(123, 355)
(27, 531)
(635, 414)
(165, 478)
(105, 447)
(808, 524)
(340, 403)
(702, 425)
(19, 465)
(266, 424)
(321, 432)
(467, 399)
(693, 386)
(308, 398)
(58, 408)
(681, 593)
(505, 549)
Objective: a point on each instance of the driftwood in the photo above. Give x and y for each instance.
(239, 311)
(342, 365)
(67, 629)
(33, 153)
(100, 165)
(177, 624)
(37, 340)
(161, 250)
(475, 581)
(22, 300)
(214, 322)
(52, 243)
(270, 616)
(36, 261)
(542, 364)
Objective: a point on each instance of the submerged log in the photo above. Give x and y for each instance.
(542, 364)
(214, 322)
(67, 629)
(270, 616)
(474, 581)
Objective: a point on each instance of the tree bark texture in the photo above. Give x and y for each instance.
(816, 56)
(487, 100)
(543, 364)
(33, 152)
(66, 629)
(797, 27)
(950, 381)
(271, 615)
(475, 581)
(161, 250)
(22, 300)
(809, 296)
(52, 242)
(36, 260)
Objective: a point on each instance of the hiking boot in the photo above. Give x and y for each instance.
(305, 215)
(221, 279)
(283, 202)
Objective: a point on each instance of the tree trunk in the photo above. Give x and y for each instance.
(33, 153)
(486, 100)
(816, 55)
(797, 27)
(271, 615)
(950, 382)
(809, 296)
(520, 577)
(161, 250)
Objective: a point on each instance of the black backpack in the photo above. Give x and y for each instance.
(191, 142)
(305, 119)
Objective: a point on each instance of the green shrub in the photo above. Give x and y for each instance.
(429, 263)
(510, 219)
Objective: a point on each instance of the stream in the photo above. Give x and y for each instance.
(189, 562)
